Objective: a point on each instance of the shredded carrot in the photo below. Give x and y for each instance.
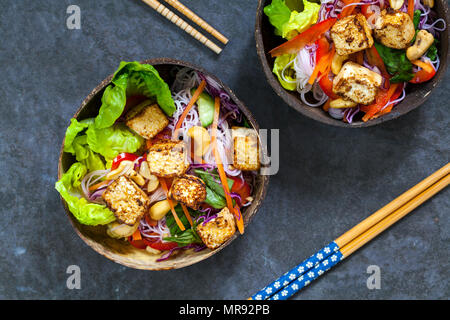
(326, 106)
(186, 213)
(222, 174)
(98, 185)
(196, 159)
(163, 183)
(411, 9)
(136, 235)
(322, 66)
(194, 99)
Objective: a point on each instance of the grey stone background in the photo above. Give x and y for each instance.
(330, 178)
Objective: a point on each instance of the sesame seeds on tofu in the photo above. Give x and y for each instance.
(189, 190)
(126, 200)
(218, 230)
(168, 159)
(357, 83)
(246, 149)
(351, 34)
(146, 120)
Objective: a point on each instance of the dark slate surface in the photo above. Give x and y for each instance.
(330, 178)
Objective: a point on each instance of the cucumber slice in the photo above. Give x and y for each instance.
(205, 105)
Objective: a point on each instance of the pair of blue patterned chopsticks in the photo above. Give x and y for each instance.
(343, 246)
(301, 275)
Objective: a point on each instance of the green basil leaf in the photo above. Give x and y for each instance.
(396, 62)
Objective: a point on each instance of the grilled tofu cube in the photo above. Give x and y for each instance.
(394, 29)
(189, 190)
(218, 230)
(357, 83)
(351, 34)
(128, 202)
(167, 159)
(146, 119)
(246, 149)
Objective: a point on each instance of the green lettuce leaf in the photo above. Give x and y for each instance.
(133, 78)
(85, 212)
(72, 131)
(278, 14)
(111, 141)
(77, 145)
(278, 66)
(288, 19)
(85, 155)
(300, 21)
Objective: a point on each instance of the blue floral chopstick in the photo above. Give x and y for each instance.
(298, 272)
(305, 279)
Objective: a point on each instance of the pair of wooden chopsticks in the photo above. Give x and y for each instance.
(313, 267)
(167, 13)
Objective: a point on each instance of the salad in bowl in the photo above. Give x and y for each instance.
(355, 59)
(161, 168)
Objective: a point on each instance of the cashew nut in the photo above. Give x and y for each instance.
(144, 170)
(429, 3)
(423, 41)
(201, 139)
(123, 168)
(136, 177)
(341, 103)
(117, 230)
(159, 210)
(152, 251)
(153, 183)
(396, 4)
(337, 62)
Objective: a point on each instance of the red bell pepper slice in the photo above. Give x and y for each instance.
(242, 188)
(301, 40)
(121, 157)
(324, 58)
(383, 97)
(348, 10)
(394, 97)
(426, 72)
(326, 85)
(158, 245)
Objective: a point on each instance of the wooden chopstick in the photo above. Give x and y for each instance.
(361, 240)
(168, 14)
(385, 223)
(391, 206)
(196, 19)
(334, 248)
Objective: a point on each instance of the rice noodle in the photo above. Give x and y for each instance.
(157, 232)
(90, 179)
